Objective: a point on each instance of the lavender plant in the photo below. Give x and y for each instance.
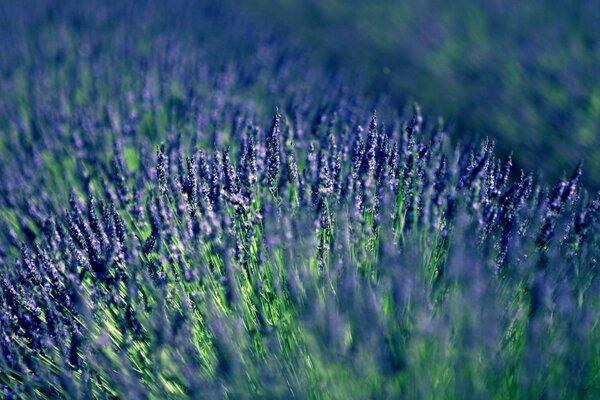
(184, 223)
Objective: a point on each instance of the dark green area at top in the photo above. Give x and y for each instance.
(526, 74)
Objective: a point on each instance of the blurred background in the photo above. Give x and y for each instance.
(525, 73)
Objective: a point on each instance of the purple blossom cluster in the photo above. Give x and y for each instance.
(160, 238)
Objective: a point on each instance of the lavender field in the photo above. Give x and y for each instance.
(193, 205)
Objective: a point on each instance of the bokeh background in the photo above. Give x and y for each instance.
(525, 73)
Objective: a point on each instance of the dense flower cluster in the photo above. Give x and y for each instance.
(524, 72)
(160, 239)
